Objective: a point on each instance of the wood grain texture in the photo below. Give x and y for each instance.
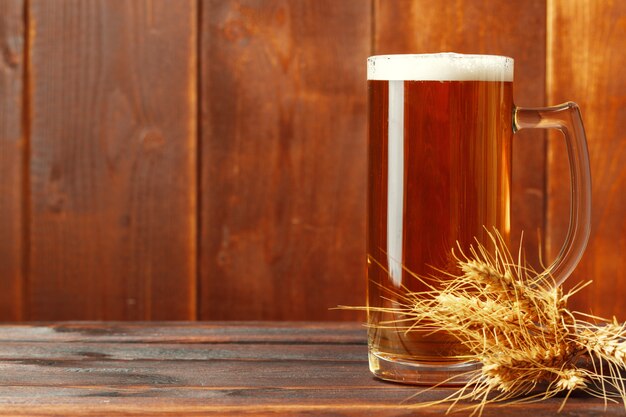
(113, 171)
(281, 376)
(186, 332)
(283, 158)
(485, 27)
(277, 350)
(251, 402)
(211, 373)
(12, 152)
(586, 65)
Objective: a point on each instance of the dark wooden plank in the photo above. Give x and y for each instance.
(113, 171)
(261, 384)
(355, 410)
(77, 350)
(381, 400)
(200, 373)
(227, 385)
(587, 66)
(485, 27)
(185, 332)
(135, 396)
(283, 158)
(12, 152)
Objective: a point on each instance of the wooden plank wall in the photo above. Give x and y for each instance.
(112, 164)
(586, 64)
(283, 158)
(12, 146)
(208, 161)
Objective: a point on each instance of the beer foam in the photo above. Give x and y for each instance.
(440, 67)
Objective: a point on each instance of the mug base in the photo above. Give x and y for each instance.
(422, 373)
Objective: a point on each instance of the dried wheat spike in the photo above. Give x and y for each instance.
(515, 321)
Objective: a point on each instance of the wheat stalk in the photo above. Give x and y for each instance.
(516, 323)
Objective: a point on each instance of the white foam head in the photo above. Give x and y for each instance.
(440, 67)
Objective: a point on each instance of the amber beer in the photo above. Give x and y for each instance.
(440, 135)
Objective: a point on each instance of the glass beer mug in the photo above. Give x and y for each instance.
(439, 172)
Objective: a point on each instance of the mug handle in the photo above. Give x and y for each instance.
(566, 118)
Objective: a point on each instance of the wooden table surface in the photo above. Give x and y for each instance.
(180, 368)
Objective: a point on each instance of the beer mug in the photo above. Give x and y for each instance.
(439, 175)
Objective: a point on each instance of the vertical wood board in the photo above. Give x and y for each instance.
(112, 164)
(283, 158)
(586, 65)
(12, 152)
